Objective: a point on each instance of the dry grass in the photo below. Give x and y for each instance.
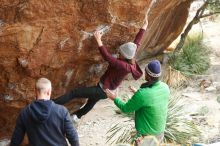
(174, 78)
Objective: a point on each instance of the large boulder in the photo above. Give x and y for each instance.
(52, 38)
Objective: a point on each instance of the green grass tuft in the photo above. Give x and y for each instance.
(194, 57)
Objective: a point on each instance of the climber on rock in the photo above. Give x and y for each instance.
(117, 70)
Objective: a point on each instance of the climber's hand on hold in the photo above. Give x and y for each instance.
(98, 37)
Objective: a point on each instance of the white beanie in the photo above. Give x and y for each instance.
(128, 50)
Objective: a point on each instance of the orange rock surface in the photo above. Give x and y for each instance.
(52, 38)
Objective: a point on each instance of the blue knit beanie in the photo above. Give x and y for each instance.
(153, 68)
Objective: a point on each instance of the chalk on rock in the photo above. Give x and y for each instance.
(104, 29)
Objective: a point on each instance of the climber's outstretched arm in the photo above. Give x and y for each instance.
(140, 34)
(145, 23)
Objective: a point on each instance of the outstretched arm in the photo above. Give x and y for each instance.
(103, 50)
(145, 23)
(131, 105)
(140, 34)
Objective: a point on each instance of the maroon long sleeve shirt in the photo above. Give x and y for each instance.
(118, 69)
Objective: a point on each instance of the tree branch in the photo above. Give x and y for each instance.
(210, 14)
(199, 14)
(195, 20)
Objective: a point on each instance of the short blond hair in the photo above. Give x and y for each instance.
(43, 85)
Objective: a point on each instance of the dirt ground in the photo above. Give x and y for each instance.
(204, 101)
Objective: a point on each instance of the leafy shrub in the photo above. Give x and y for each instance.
(194, 57)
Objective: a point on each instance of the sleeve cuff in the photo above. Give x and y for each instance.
(101, 46)
(116, 100)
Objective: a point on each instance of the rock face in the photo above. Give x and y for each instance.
(53, 39)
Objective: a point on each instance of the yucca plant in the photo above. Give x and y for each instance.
(123, 131)
(179, 128)
(194, 57)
